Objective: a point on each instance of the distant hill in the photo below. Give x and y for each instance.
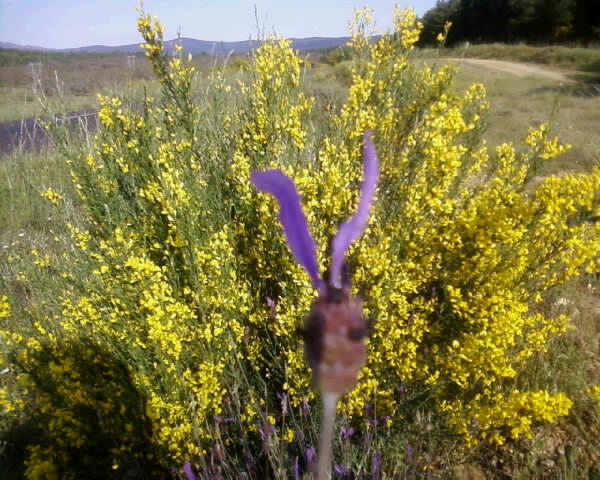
(194, 46)
(16, 46)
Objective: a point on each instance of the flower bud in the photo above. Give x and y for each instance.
(335, 341)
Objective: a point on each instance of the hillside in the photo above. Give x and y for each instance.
(194, 46)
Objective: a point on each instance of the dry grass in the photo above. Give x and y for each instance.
(69, 81)
(573, 108)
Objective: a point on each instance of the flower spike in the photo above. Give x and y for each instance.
(335, 330)
(352, 229)
(292, 220)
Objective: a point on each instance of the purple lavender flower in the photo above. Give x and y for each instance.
(375, 467)
(250, 461)
(342, 470)
(271, 305)
(294, 223)
(266, 430)
(335, 330)
(309, 454)
(219, 419)
(366, 439)
(283, 398)
(187, 470)
(347, 432)
(408, 454)
(373, 423)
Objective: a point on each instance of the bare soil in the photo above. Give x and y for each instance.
(515, 68)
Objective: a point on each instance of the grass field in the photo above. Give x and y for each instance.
(571, 104)
(564, 450)
(70, 81)
(572, 107)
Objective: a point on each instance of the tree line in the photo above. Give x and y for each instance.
(509, 21)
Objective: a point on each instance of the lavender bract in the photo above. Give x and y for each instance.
(335, 329)
(294, 222)
(351, 230)
(292, 219)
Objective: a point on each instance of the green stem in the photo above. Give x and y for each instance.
(325, 441)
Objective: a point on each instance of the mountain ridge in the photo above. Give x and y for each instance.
(192, 46)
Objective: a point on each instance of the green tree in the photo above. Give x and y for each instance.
(586, 20)
(435, 19)
(550, 16)
(509, 20)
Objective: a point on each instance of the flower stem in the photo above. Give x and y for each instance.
(325, 441)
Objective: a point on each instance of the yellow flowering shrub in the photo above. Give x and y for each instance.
(181, 299)
(594, 393)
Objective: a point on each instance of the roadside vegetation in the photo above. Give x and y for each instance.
(149, 303)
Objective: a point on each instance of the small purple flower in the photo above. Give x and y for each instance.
(266, 430)
(373, 424)
(283, 398)
(271, 305)
(250, 461)
(187, 470)
(309, 454)
(341, 469)
(375, 467)
(335, 329)
(219, 419)
(347, 432)
(408, 454)
(366, 439)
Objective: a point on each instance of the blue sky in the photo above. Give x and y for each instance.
(75, 23)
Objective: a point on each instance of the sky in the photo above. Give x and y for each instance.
(76, 23)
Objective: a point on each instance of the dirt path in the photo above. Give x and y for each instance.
(514, 68)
